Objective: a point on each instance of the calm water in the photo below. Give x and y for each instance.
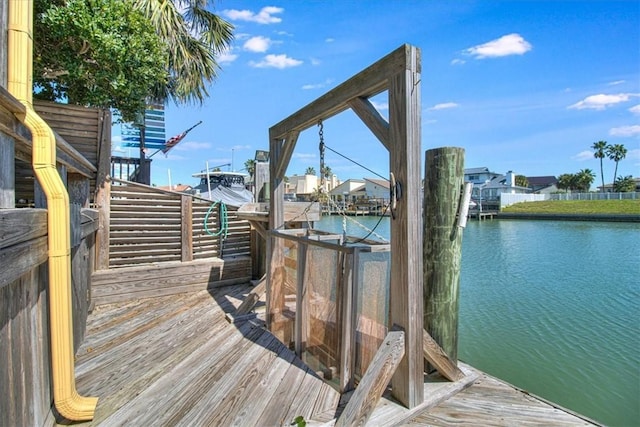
(552, 307)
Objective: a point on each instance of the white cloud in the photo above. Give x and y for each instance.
(315, 61)
(380, 106)
(617, 82)
(633, 154)
(257, 44)
(602, 101)
(226, 57)
(444, 106)
(625, 131)
(583, 155)
(511, 44)
(329, 40)
(303, 156)
(265, 16)
(317, 85)
(276, 61)
(241, 147)
(635, 109)
(457, 61)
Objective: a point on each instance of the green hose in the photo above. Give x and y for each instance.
(224, 221)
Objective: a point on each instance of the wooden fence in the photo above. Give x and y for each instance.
(149, 225)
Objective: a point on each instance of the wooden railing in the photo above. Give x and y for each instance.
(149, 225)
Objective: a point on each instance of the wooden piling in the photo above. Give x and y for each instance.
(444, 172)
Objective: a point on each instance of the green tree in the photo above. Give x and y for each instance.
(103, 53)
(193, 37)
(250, 166)
(310, 171)
(567, 181)
(584, 179)
(327, 172)
(616, 152)
(624, 184)
(600, 151)
(522, 181)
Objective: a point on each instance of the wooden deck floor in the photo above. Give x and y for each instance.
(174, 360)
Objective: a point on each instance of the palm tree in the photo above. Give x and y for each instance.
(600, 148)
(250, 166)
(310, 171)
(616, 152)
(624, 184)
(193, 37)
(584, 179)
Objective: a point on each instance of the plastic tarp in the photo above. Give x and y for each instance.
(232, 196)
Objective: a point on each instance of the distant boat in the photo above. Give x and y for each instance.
(226, 187)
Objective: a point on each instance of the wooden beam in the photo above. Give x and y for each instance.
(7, 172)
(434, 354)
(252, 299)
(406, 262)
(186, 228)
(301, 327)
(21, 225)
(372, 118)
(11, 103)
(367, 83)
(289, 145)
(21, 258)
(275, 248)
(373, 383)
(103, 204)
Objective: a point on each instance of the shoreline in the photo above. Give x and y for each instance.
(570, 217)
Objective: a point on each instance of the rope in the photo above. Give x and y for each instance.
(353, 161)
(224, 220)
(359, 224)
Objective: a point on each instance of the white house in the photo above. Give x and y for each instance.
(377, 189)
(348, 192)
(303, 185)
(488, 186)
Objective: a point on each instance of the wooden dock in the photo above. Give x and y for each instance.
(175, 360)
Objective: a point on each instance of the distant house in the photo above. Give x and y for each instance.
(348, 192)
(488, 186)
(608, 188)
(303, 185)
(543, 184)
(377, 189)
(479, 176)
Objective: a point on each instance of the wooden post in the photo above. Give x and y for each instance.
(103, 193)
(186, 228)
(406, 265)
(442, 245)
(7, 172)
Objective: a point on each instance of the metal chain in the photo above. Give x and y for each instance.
(321, 148)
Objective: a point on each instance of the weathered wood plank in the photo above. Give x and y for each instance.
(18, 259)
(406, 281)
(7, 172)
(164, 279)
(367, 83)
(21, 225)
(372, 118)
(375, 380)
(186, 211)
(435, 355)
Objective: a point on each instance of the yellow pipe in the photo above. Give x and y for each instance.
(20, 48)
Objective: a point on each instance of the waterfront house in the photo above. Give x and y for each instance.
(348, 192)
(543, 184)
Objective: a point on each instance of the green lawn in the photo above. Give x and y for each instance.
(607, 207)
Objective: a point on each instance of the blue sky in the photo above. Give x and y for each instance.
(525, 86)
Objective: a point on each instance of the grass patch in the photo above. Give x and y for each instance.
(602, 207)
